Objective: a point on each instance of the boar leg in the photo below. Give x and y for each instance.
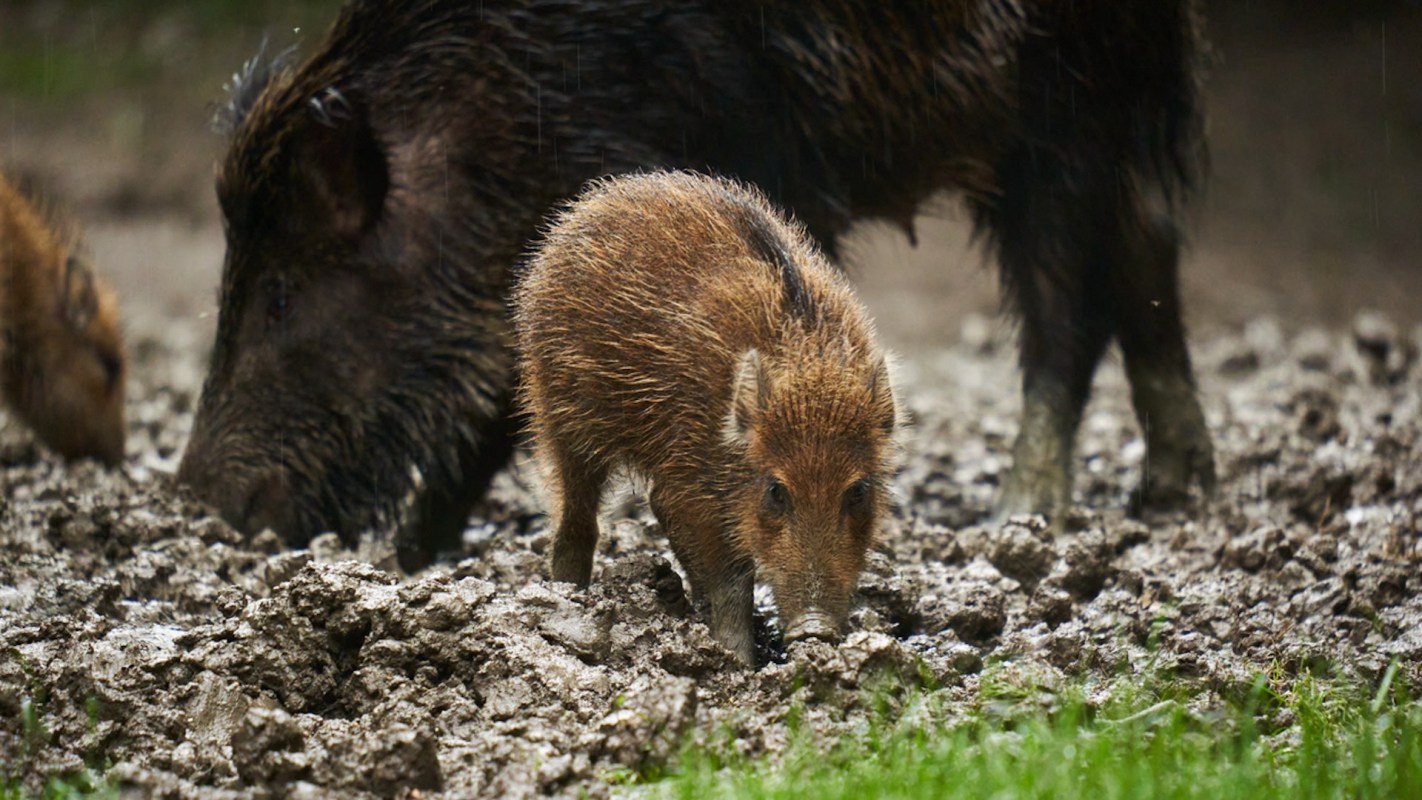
(1152, 336)
(1055, 277)
(578, 484)
(441, 512)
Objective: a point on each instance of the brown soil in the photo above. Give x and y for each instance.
(152, 637)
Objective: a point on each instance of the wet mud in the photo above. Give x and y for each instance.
(142, 637)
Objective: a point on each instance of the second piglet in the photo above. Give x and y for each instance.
(677, 326)
(62, 361)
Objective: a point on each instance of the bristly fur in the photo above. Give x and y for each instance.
(247, 84)
(766, 243)
(660, 333)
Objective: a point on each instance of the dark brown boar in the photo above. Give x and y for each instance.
(376, 195)
(675, 325)
(62, 359)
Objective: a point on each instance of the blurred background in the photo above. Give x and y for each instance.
(1313, 210)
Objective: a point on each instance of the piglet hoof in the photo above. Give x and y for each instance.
(742, 647)
(571, 568)
(737, 638)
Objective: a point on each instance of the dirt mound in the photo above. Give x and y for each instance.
(142, 636)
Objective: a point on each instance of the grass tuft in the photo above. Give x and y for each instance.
(1333, 742)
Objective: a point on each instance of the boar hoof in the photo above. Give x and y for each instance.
(1165, 484)
(1031, 492)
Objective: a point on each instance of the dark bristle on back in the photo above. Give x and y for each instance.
(247, 85)
(758, 232)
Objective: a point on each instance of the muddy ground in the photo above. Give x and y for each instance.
(141, 636)
(144, 636)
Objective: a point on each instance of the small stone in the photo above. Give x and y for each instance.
(1019, 553)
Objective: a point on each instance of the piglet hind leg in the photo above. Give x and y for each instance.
(578, 483)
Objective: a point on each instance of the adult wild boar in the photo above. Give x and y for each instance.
(377, 195)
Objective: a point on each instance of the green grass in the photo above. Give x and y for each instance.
(62, 788)
(1323, 741)
(16, 768)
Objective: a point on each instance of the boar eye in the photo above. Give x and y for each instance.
(276, 302)
(856, 497)
(777, 497)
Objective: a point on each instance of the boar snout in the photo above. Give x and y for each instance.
(268, 506)
(249, 503)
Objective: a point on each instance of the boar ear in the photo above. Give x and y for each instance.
(339, 166)
(748, 397)
(881, 396)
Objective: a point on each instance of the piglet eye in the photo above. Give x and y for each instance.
(777, 497)
(857, 496)
(113, 368)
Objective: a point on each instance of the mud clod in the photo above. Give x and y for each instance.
(1387, 355)
(1050, 604)
(974, 610)
(1023, 552)
(268, 748)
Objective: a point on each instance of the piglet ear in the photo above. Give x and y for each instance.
(339, 166)
(80, 301)
(749, 396)
(881, 396)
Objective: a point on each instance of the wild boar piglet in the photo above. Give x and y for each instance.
(677, 326)
(62, 361)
